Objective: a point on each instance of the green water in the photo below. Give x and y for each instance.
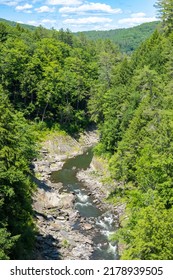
(104, 223)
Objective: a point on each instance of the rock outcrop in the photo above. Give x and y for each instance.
(57, 220)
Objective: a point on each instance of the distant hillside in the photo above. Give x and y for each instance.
(13, 23)
(127, 38)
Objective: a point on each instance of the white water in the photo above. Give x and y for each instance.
(82, 197)
(104, 223)
(83, 204)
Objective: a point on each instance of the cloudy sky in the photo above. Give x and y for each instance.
(79, 15)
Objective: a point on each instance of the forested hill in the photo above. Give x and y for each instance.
(128, 39)
(47, 78)
(54, 80)
(14, 23)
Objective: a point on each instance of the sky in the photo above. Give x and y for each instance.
(79, 15)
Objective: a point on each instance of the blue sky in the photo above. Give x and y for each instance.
(79, 15)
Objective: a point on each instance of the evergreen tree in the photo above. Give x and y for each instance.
(16, 152)
(165, 11)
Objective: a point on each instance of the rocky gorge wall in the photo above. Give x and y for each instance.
(55, 214)
(54, 211)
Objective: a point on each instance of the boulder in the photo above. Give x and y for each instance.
(87, 226)
(67, 200)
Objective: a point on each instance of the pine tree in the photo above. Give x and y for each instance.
(16, 152)
(165, 11)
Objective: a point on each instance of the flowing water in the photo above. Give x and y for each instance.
(104, 221)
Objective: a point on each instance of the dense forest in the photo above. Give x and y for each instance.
(52, 78)
(47, 78)
(14, 24)
(128, 39)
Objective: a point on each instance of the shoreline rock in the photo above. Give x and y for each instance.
(62, 232)
(58, 236)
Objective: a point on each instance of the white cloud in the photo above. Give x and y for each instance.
(10, 3)
(33, 22)
(48, 21)
(45, 9)
(87, 20)
(90, 7)
(133, 20)
(64, 2)
(27, 11)
(24, 7)
(137, 15)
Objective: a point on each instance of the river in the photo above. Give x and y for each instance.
(104, 221)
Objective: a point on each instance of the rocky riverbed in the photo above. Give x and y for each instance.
(93, 179)
(55, 215)
(62, 232)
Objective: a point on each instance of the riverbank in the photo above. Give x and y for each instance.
(55, 215)
(95, 180)
(57, 220)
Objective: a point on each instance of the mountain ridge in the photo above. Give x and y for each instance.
(128, 39)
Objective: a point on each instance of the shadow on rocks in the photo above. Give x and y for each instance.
(42, 185)
(46, 248)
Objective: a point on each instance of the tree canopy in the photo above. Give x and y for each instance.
(55, 78)
(135, 121)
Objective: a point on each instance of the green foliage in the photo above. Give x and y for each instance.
(6, 243)
(128, 39)
(16, 151)
(49, 77)
(3, 32)
(165, 13)
(148, 234)
(134, 116)
(56, 80)
(13, 23)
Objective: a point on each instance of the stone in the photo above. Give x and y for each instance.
(40, 218)
(56, 225)
(61, 218)
(67, 200)
(50, 218)
(44, 151)
(74, 216)
(60, 157)
(51, 199)
(87, 226)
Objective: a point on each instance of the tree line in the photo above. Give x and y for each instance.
(57, 79)
(135, 118)
(46, 80)
(128, 39)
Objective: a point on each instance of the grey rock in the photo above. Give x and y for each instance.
(87, 226)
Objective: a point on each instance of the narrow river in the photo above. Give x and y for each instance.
(104, 222)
